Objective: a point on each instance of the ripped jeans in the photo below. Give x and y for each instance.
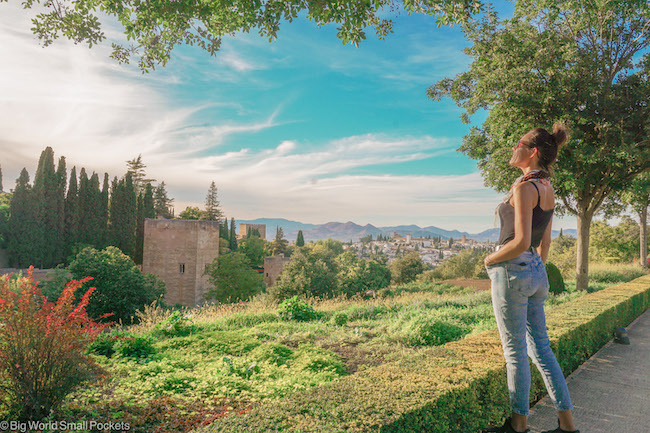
(519, 289)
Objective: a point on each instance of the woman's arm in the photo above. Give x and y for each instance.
(545, 245)
(524, 196)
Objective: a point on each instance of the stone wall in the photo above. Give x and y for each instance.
(178, 251)
(243, 229)
(273, 267)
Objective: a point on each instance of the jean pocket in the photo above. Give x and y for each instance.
(520, 278)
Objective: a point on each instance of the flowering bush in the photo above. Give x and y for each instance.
(176, 325)
(43, 347)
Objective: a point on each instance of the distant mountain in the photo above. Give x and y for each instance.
(352, 231)
(290, 228)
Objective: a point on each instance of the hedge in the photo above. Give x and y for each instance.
(458, 387)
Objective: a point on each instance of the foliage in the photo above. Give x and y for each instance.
(442, 389)
(297, 309)
(406, 268)
(617, 244)
(191, 213)
(434, 333)
(136, 168)
(233, 236)
(468, 263)
(310, 272)
(357, 275)
(582, 63)
(42, 347)
(300, 239)
(562, 254)
(121, 286)
(138, 347)
(123, 216)
(93, 213)
(154, 30)
(162, 203)
(232, 278)
(253, 248)
(176, 325)
(5, 206)
(555, 280)
(615, 273)
(23, 229)
(145, 210)
(279, 244)
(212, 206)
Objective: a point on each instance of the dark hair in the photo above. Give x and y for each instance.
(547, 144)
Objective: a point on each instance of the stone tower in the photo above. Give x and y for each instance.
(178, 251)
(243, 229)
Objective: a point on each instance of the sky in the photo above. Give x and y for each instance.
(304, 128)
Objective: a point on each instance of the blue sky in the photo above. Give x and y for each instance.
(304, 128)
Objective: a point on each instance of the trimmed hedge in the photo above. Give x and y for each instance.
(459, 387)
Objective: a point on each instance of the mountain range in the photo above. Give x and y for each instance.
(350, 231)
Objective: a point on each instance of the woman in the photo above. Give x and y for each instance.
(519, 280)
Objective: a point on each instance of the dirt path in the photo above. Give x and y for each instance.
(474, 284)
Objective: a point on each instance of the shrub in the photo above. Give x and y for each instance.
(309, 273)
(43, 347)
(355, 275)
(434, 333)
(135, 346)
(555, 280)
(233, 279)
(466, 264)
(406, 268)
(615, 273)
(121, 287)
(176, 325)
(297, 309)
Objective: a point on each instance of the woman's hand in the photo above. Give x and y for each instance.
(487, 262)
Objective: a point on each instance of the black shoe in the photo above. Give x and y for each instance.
(559, 430)
(505, 428)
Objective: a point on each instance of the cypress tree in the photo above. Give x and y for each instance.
(72, 214)
(0, 177)
(300, 241)
(139, 231)
(22, 236)
(97, 234)
(123, 215)
(103, 211)
(149, 210)
(136, 169)
(233, 236)
(224, 233)
(62, 180)
(85, 209)
(113, 212)
(46, 186)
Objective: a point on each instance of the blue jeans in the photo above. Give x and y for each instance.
(519, 289)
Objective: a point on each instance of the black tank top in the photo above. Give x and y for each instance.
(541, 218)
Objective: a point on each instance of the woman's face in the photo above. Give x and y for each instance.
(522, 155)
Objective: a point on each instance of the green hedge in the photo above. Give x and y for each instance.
(459, 387)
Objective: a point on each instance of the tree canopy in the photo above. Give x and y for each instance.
(582, 63)
(154, 29)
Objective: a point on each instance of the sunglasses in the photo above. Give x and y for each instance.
(519, 144)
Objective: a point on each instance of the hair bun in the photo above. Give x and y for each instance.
(560, 134)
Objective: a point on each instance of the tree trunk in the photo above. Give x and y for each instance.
(582, 247)
(643, 237)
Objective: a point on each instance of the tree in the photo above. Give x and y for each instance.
(155, 29)
(49, 203)
(309, 273)
(614, 244)
(574, 62)
(123, 215)
(279, 243)
(212, 206)
(406, 268)
(191, 213)
(1, 178)
(253, 248)
(233, 236)
(300, 240)
(121, 287)
(23, 235)
(233, 279)
(136, 167)
(162, 202)
(5, 207)
(355, 275)
(72, 214)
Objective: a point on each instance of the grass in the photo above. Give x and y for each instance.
(231, 356)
